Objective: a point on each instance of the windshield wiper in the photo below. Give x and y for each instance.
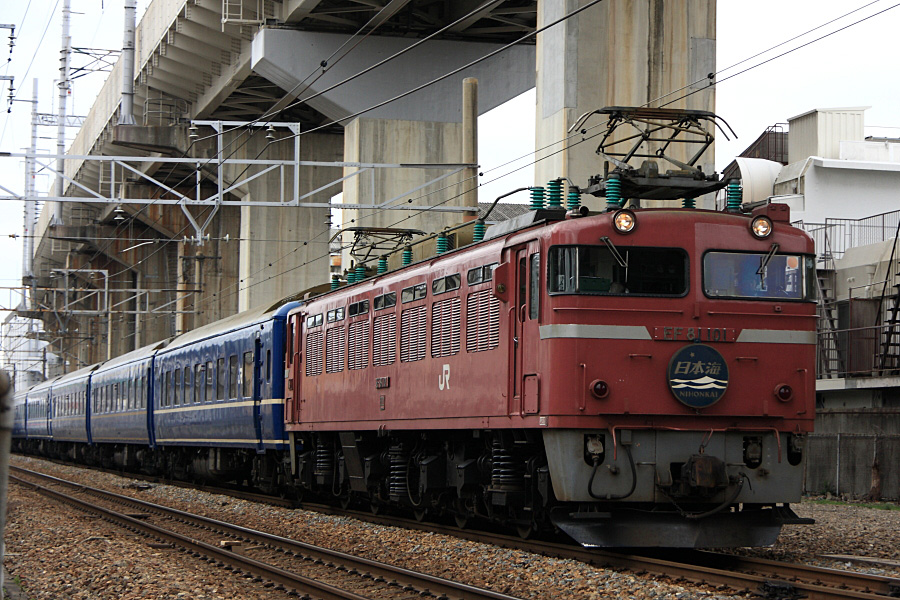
(765, 261)
(615, 252)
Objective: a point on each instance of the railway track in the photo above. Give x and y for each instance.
(295, 567)
(767, 578)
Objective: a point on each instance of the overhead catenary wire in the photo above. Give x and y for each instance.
(692, 92)
(418, 88)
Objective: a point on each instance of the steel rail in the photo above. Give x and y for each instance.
(739, 573)
(373, 570)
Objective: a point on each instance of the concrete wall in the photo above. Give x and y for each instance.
(855, 453)
(618, 53)
(294, 241)
(395, 141)
(839, 189)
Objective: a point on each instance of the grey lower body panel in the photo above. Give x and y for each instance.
(639, 529)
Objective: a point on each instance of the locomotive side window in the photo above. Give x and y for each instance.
(636, 270)
(480, 274)
(413, 292)
(445, 284)
(358, 308)
(534, 295)
(385, 301)
(745, 275)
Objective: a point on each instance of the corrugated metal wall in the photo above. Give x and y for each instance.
(820, 132)
(855, 453)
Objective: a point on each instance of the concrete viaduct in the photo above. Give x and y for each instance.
(111, 276)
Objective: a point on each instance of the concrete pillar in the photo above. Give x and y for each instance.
(398, 141)
(618, 53)
(285, 250)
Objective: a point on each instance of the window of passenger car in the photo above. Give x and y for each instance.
(759, 276)
(247, 379)
(599, 270)
(176, 396)
(232, 376)
(221, 378)
(210, 378)
(199, 382)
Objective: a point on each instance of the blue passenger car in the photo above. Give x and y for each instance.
(38, 417)
(222, 385)
(121, 390)
(68, 396)
(18, 432)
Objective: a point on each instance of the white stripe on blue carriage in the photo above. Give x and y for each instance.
(252, 441)
(219, 404)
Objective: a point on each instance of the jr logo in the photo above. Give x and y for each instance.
(444, 379)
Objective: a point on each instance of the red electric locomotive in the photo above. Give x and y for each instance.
(633, 369)
(637, 377)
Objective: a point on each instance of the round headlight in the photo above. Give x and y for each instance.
(784, 392)
(625, 221)
(761, 227)
(599, 389)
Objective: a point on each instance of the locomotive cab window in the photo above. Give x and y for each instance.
(756, 276)
(603, 270)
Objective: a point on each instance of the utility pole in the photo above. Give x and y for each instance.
(56, 215)
(28, 237)
(126, 111)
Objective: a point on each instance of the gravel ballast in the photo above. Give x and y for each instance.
(56, 552)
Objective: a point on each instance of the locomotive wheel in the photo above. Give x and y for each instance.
(375, 508)
(462, 520)
(525, 531)
(344, 501)
(420, 514)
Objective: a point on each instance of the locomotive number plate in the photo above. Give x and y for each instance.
(382, 383)
(694, 334)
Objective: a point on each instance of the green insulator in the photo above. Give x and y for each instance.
(613, 193)
(573, 200)
(480, 229)
(335, 282)
(443, 243)
(382, 265)
(687, 203)
(537, 198)
(360, 272)
(351, 277)
(406, 257)
(734, 196)
(554, 193)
